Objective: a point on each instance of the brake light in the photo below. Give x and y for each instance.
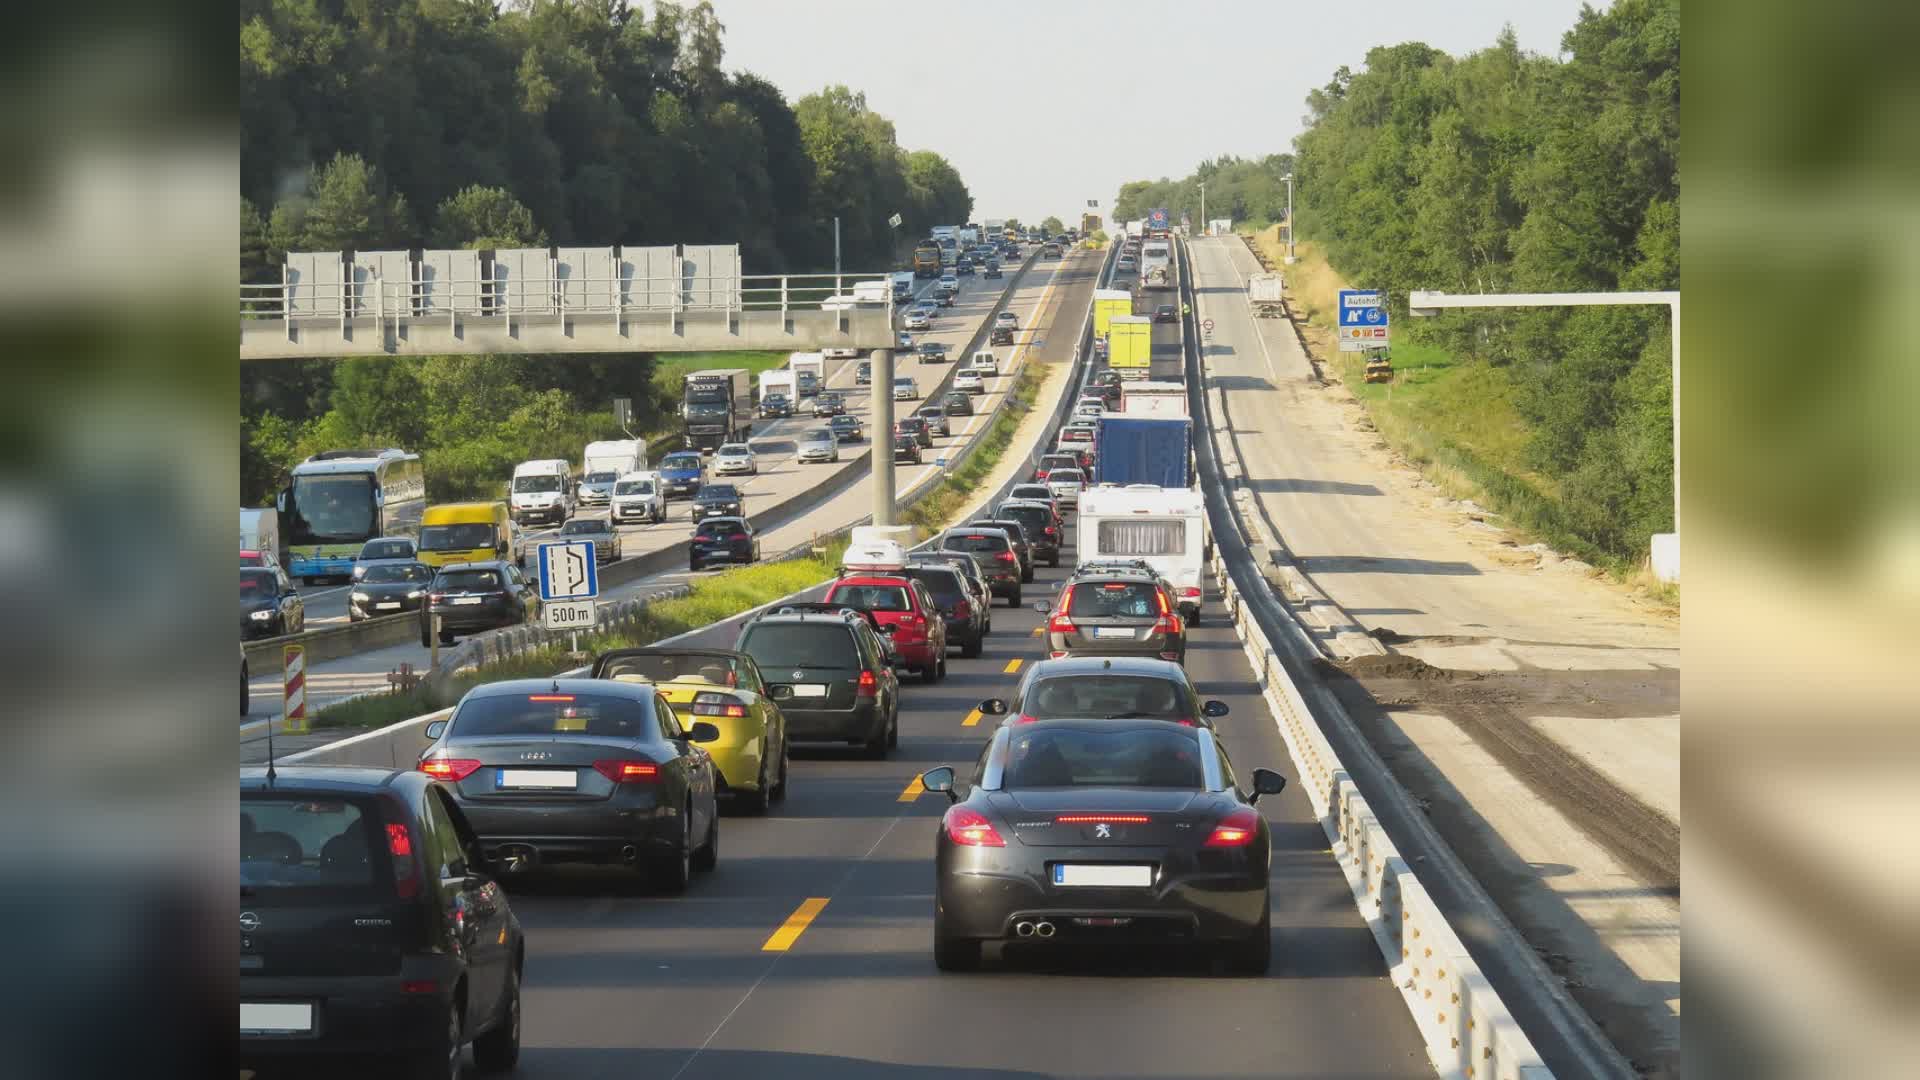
(435, 598)
(454, 769)
(399, 841)
(962, 610)
(400, 846)
(1190, 591)
(736, 536)
(868, 686)
(970, 828)
(1005, 556)
(717, 705)
(420, 986)
(1110, 819)
(620, 771)
(1051, 531)
(1237, 829)
(549, 697)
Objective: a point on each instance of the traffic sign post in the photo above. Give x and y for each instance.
(569, 584)
(568, 614)
(1364, 320)
(293, 692)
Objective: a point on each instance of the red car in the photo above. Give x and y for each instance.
(918, 629)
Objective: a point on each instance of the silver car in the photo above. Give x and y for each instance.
(819, 444)
(1065, 484)
(735, 459)
(606, 538)
(905, 389)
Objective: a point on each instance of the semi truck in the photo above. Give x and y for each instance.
(1143, 450)
(1130, 345)
(926, 259)
(718, 408)
(1153, 399)
(1265, 295)
(1106, 304)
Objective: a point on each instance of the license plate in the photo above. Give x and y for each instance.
(275, 1017)
(809, 689)
(1112, 632)
(537, 779)
(1104, 875)
(387, 605)
(468, 600)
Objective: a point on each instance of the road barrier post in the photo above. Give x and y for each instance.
(293, 689)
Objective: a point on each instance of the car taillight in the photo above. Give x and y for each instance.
(620, 771)
(1101, 819)
(1039, 474)
(717, 705)
(736, 536)
(1051, 531)
(1237, 829)
(970, 828)
(868, 685)
(454, 769)
(1006, 556)
(962, 610)
(1060, 624)
(1190, 591)
(436, 597)
(406, 879)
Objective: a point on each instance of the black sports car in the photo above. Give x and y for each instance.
(1102, 831)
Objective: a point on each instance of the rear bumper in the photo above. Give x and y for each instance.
(987, 904)
(353, 1015)
(862, 722)
(1057, 644)
(549, 513)
(484, 618)
(597, 831)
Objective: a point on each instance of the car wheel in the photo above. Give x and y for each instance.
(1054, 562)
(780, 786)
(671, 872)
(446, 637)
(954, 953)
(931, 673)
(499, 1050)
(441, 1061)
(1194, 619)
(893, 732)
(693, 565)
(1252, 954)
(1014, 600)
(708, 855)
(755, 801)
(971, 649)
(1026, 576)
(877, 746)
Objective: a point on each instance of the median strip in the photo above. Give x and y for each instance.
(796, 924)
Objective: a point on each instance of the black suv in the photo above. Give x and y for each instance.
(1000, 335)
(718, 500)
(723, 539)
(775, 406)
(972, 570)
(1039, 522)
(1018, 534)
(998, 560)
(831, 676)
(965, 616)
(477, 596)
(370, 925)
(932, 352)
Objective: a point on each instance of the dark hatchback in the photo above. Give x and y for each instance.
(994, 550)
(1041, 524)
(915, 426)
(1165, 313)
(476, 596)
(964, 614)
(958, 403)
(389, 589)
(972, 569)
(723, 540)
(718, 500)
(1017, 533)
(846, 428)
(269, 604)
(368, 917)
(906, 450)
(580, 770)
(829, 404)
(830, 675)
(932, 352)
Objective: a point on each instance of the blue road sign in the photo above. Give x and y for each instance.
(1364, 320)
(569, 571)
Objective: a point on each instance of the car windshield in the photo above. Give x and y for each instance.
(735, 450)
(257, 583)
(1115, 599)
(295, 841)
(943, 584)
(720, 670)
(781, 648)
(681, 461)
(1107, 697)
(542, 482)
(719, 493)
(719, 527)
(1089, 757)
(602, 477)
(975, 542)
(903, 382)
(1066, 476)
(583, 527)
(634, 487)
(872, 597)
(397, 573)
(462, 537)
(844, 422)
(932, 348)
(387, 549)
(467, 581)
(543, 714)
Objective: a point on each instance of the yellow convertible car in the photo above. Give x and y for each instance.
(724, 689)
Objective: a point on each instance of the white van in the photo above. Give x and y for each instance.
(542, 491)
(985, 364)
(1167, 527)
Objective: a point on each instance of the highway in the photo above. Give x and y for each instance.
(1050, 304)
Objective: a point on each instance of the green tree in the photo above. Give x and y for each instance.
(1052, 226)
(485, 217)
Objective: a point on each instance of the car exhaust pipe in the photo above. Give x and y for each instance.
(1043, 929)
(1023, 929)
(629, 854)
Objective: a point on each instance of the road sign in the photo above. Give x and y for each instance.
(293, 693)
(623, 412)
(568, 571)
(895, 220)
(1207, 325)
(1364, 320)
(568, 615)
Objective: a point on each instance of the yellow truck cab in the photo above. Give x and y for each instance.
(467, 532)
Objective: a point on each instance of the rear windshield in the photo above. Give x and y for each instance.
(944, 585)
(395, 573)
(722, 670)
(292, 841)
(975, 542)
(459, 580)
(387, 549)
(1107, 697)
(1058, 461)
(681, 461)
(781, 648)
(1012, 528)
(872, 597)
(583, 526)
(1073, 476)
(719, 527)
(1124, 599)
(1082, 757)
(1034, 519)
(553, 714)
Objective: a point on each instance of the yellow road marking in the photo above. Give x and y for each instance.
(1038, 630)
(914, 791)
(973, 717)
(1013, 665)
(796, 924)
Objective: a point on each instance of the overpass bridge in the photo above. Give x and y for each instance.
(551, 300)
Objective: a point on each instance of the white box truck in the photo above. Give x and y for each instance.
(1165, 526)
(1266, 296)
(810, 372)
(1153, 399)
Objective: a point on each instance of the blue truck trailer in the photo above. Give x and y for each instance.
(1144, 450)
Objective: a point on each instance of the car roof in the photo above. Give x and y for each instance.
(333, 779)
(483, 564)
(980, 529)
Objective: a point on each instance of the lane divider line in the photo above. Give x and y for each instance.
(973, 717)
(796, 924)
(1038, 630)
(914, 791)
(1013, 665)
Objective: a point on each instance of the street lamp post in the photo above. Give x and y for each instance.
(1289, 179)
(1666, 546)
(1203, 208)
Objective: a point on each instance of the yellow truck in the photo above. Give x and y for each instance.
(926, 260)
(466, 532)
(1106, 304)
(1130, 345)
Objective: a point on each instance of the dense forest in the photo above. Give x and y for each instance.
(1249, 192)
(382, 124)
(1503, 171)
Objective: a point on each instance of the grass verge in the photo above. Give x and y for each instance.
(950, 495)
(711, 600)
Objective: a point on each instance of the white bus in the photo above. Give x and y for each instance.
(1167, 527)
(337, 500)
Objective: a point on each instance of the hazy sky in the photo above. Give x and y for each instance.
(1044, 104)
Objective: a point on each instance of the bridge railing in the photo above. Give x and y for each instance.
(375, 297)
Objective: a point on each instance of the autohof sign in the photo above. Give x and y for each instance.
(1363, 320)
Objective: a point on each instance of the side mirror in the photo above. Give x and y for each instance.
(940, 779)
(889, 629)
(1042, 606)
(1213, 708)
(1267, 782)
(702, 731)
(993, 706)
(436, 729)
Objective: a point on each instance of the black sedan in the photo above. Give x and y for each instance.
(580, 770)
(1164, 313)
(269, 604)
(388, 589)
(718, 500)
(829, 404)
(932, 352)
(847, 428)
(906, 450)
(723, 539)
(1107, 832)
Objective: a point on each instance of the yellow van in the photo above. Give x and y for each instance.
(466, 532)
